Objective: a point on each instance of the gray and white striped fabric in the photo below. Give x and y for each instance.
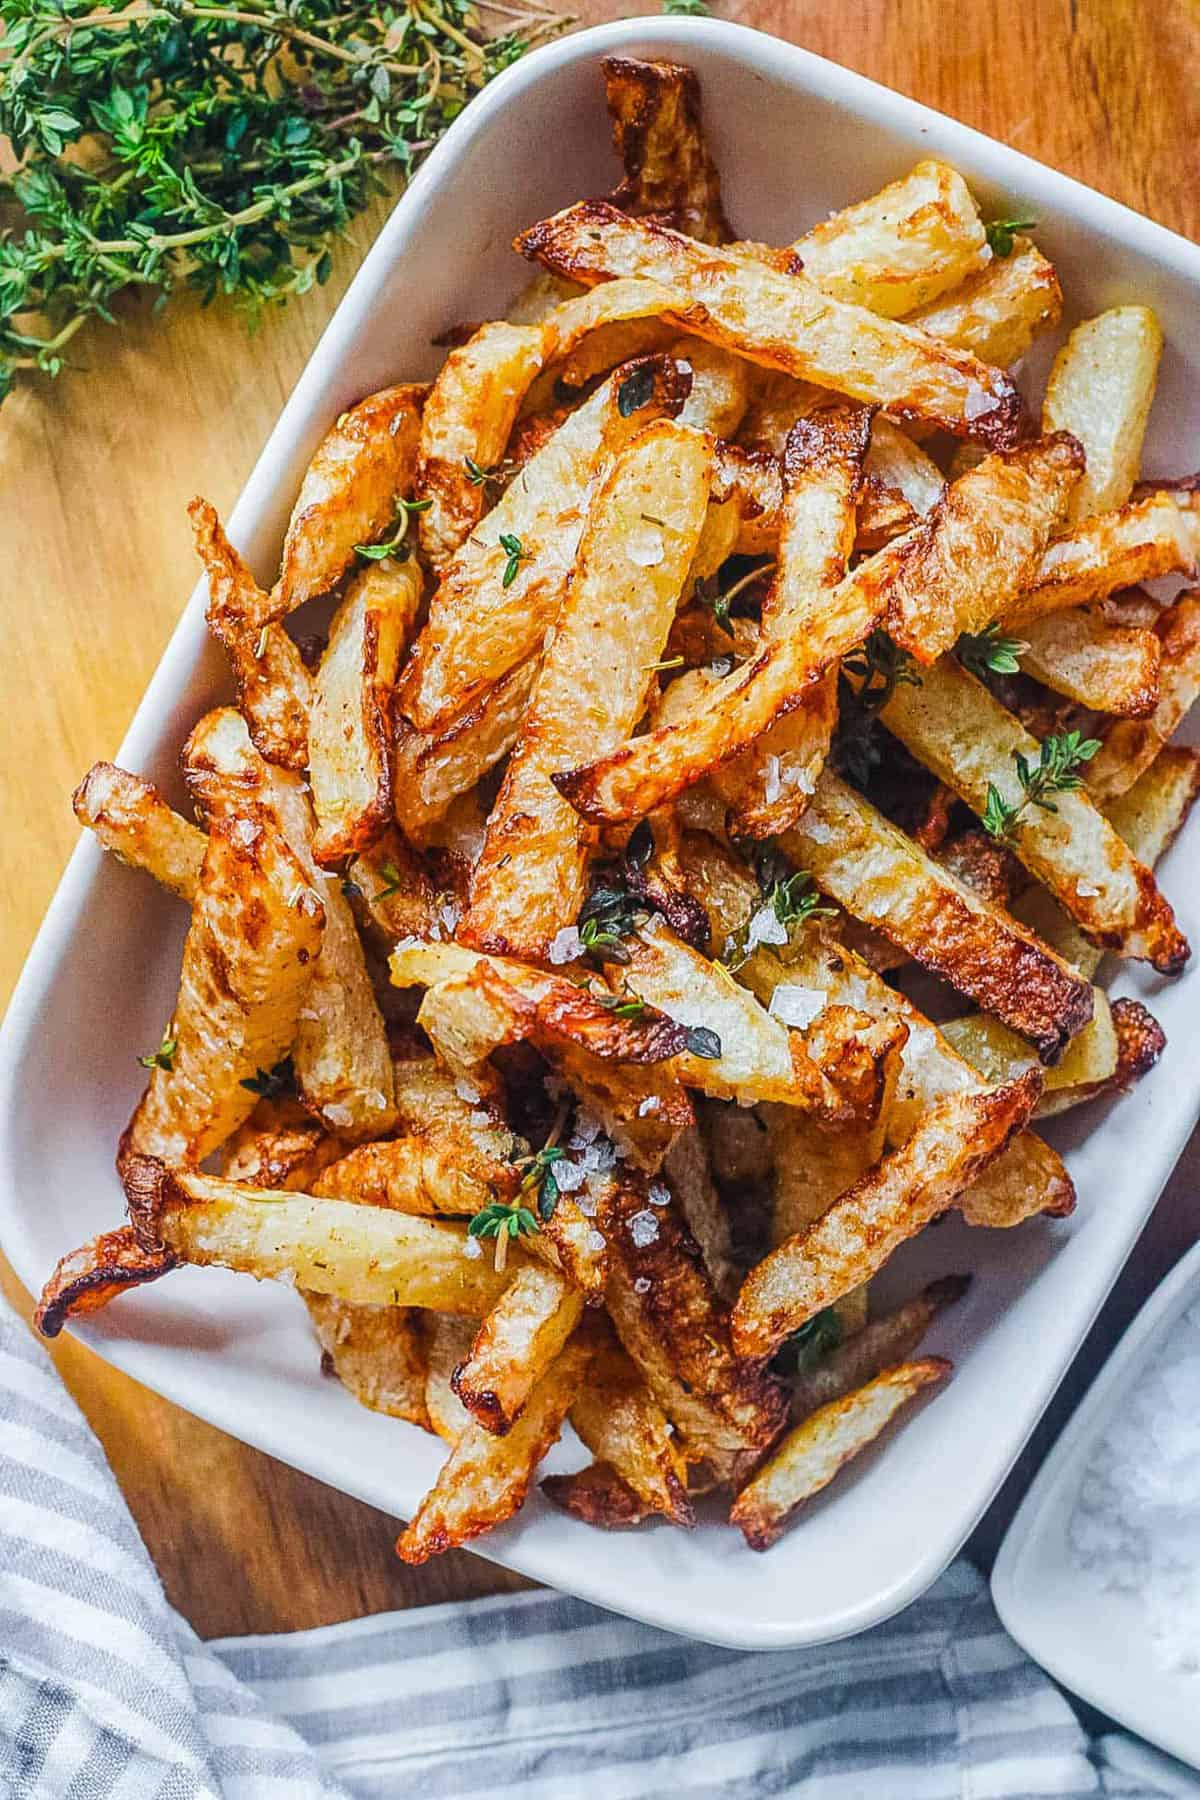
(106, 1694)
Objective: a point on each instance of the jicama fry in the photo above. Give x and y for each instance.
(130, 817)
(376, 1353)
(880, 1345)
(86, 1279)
(813, 1452)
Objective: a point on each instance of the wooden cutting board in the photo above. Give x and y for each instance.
(95, 564)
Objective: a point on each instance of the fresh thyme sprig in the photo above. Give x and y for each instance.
(218, 145)
(792, 898)
(275, 1083)
(869, 677)
(989, 652)
(397, 546)
(1001, 232)
(393, 881)
(1055, 772)
(508, 1220)
(517, 554)
(814, 1340)
(691, 9)
(163, 1057)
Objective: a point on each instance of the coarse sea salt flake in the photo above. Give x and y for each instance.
(466, 1090)
(643, 1228)
(596, 1240)
(1086, 891)
(978, 401)
(651, 1104)
(480, 1118)
(645, 547)
(642, 1285)
(659, 1194)
(472, 1248)
(566, 945)
(765, 928)
(772, 783)
(568, 1175)
(796, 1005)
(337, 1114)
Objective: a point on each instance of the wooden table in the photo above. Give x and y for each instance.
(96, 563)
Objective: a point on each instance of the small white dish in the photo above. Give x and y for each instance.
(1095, 1640)
(795, 137)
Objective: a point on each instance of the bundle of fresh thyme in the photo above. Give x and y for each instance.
(216, 145)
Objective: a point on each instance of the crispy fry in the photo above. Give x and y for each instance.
(473, 404)
(655, 113)
(430, 769)
(485, 620)
(1105, 667)
(131, 818)
(953, 1143)
(1101, 388)
(783, 321)
(691, 1181)
(960, 731)
(999, 1054)
(279, 1146)
(365, 1254)
(515, 1345)
(376, 1353)
(365, 463)
(274, 688)
(903, 247)
(1155, 535)
(884, 878)
(1150, 814)
(1140, 1041)
(485, 1479)
(641, 534)
(349, 724)
(247, 970)
(619, 1421)
(879, 1345)
(598, 1496)
(445, 1340)
(340, 1051)
(88, 1278)
(813, 1452)
(1131, 745)
(997, 313)
(417, 1174)
(981, 545)
(390, 885)
(667, 1318)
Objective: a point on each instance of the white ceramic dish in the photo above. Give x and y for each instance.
(795, 137)
(1095, 1641)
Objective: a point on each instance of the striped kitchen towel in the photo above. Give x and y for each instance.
(106, 1693)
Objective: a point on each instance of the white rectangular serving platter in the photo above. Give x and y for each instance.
(795, 137)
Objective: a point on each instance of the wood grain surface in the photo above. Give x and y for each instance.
(95, 564)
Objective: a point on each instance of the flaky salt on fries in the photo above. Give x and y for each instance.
(719, 667)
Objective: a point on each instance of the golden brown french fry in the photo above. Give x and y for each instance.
(952, 1144)
(1029, 1177)
(657, 133)
(341, 1056)
(690, 1177)
(1158, 534)
(667, 1317)
(279, 1146)
(1130, 745)
(485, 1479)
(417, 1174)
(465, 1117)
(376, 1353)
(782, 321)
(1101, 388)
(814, 1451)
(366, 1254)
(598, 1496)
(997, 313)
(1107, 668)
(515, 1345)
(1150, 814)
(349, 722)
(617, 1418)
(365, 463)
(391, 887)
(957, 728)
(473, 405)
(720, 386)
(641, 534)
(274, 688)
(445, 1340)
(495, 602)
(1140, 1041)
(999, 1054)
(883, 877)
(130, 817)
(430, 769)
(981, 544)
(879, 1345)
(88, 1278)
(255, 932)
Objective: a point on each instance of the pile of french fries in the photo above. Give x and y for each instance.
(680, 872)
